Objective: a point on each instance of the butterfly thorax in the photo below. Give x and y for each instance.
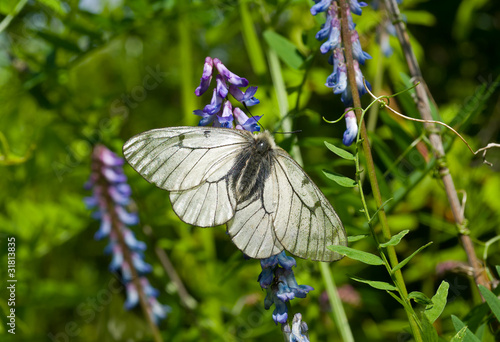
(253, 167)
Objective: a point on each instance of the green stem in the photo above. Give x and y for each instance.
(7, 20)
(338, 310)
(251, 40)
(339, 315)
(186, 68)
(386, 233)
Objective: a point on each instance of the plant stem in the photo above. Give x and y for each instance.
(422, 101)
(398, 277)
(336, 304)
(339, 315)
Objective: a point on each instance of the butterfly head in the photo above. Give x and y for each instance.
(264, 142)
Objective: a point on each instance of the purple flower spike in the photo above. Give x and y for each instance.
(132, 242)
(280, 313)
(132, 296)
(278, 279)
(351, 127)
(285, 261)
(230, 76)
(110, 193)
(104, 229)
(221, 86)
(244, 97)
(333, 41)
(269, 262)
(227, 114)
(355, 6)
(129, 219)
(246, 123)
(148, 289)
(206, 77)
(325, 30)
(215, 104)
(140, 265)
(108, 158)
(320, 6)
(357, 52)
(266, 277)
(114, 175)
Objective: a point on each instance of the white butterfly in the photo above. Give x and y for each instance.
(221, 175)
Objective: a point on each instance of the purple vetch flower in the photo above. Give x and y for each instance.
(357, 53)
(355, 6)
(278, 279)
(351, 127)
(110, 201)
(206, 77)
(331, 31)
(298, 332)
(220, 112)
(246, 123)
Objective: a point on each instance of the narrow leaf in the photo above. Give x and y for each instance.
(395, 239)
(380, 208)
(429, 332)
(460, 336)
(284, 48)
(339, 151)
(364, 257)
(492, 300)
(339, 179)
(459, 325)
(379, 285)
(54, 5)
(396, 298)
(354, 238)
(434, 310)
(405, 261)
(419, 298)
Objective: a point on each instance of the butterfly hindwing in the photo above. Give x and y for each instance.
(305, 222)
(251, 228)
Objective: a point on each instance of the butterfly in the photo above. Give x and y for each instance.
(227, 176)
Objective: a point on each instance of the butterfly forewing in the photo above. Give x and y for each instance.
(181, 158)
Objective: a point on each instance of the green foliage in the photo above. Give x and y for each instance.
(73, 76)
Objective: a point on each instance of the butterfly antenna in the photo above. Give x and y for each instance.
(292, 132)
(249, 112)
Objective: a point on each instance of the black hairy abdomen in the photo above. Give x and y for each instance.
(251, 169)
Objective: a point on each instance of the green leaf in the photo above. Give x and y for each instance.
(405, 261)
(492, 300)
(339, 151)
(459, 325)
(429, 332)
(379, 285)
(419, 298)
(284, 48)
(339, 179)
(460, 336)
(395, 239)
(364, 257)
(354, 238)
(54, 5)
(433, 311)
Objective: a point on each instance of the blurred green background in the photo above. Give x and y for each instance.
(77, 73)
